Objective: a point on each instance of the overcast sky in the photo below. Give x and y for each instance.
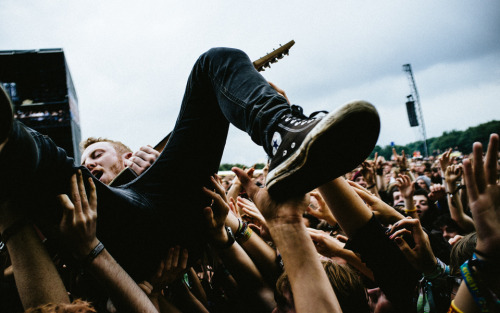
(129, 60)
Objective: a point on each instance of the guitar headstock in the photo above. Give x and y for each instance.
(273, 57)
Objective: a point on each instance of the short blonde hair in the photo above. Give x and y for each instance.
(120, 147)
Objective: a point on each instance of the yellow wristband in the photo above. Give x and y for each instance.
(453, 308)
(412, 210)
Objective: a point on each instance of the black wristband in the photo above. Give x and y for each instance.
(487, 256)
(14, 228)
(94, 253)
(230, 239)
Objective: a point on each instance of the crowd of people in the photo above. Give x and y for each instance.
(307, 234)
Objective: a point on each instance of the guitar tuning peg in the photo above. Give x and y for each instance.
(273, 60)
(280, 56)
(267, 65)
(285, 52)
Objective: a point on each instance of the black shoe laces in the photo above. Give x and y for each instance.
(299, 112)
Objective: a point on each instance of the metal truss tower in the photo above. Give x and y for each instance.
(416, 97)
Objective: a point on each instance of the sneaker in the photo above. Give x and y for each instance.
(310, 151)
(6, 116)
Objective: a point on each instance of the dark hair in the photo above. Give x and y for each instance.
(446, 220)
(430, 216)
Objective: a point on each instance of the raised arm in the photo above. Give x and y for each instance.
(452, 174)
(483, 190)
(78, 226)
(407, 189)
(312, 291)
(36, 277)
(235, 259)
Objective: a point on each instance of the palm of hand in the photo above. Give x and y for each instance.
(406, 190)
(486, 212)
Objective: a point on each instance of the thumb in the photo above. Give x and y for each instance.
(246, 181)
(342, 238)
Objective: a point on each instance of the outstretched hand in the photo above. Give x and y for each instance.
(444, 160)
(79, 221)
(249, 208)
(171, 268)
(216, 214)
(400, 159)
(420, 256)
(326, 245)
(483, 190)
(287, 210)
(322, 211)
(384, 212)
(405, 186)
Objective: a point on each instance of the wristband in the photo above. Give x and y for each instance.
(230, 239)
(409, 211)
(94, 253)
(380, 171)
(243, 233)
(453, 308)
(486, 255)
(13, 229)
(370, 187)
(438, 271)
(473, 287)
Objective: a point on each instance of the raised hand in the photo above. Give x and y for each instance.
(171, 268)
(234, 208)
(142, 159)
(452, 174)
(79, 221)
(379, 163)
(280, 91)
(249, 208)
(445, 160)
(406, 186)
(483, 190)
(216, 214)
(438, 191)
(420, 256)
(326, 245)
(368, 171)
(400, 159)
(384, 212)
(322, 211)
(289, 209)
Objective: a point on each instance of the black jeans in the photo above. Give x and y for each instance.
(138, 221)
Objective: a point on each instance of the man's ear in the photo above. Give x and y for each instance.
(126, 156)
